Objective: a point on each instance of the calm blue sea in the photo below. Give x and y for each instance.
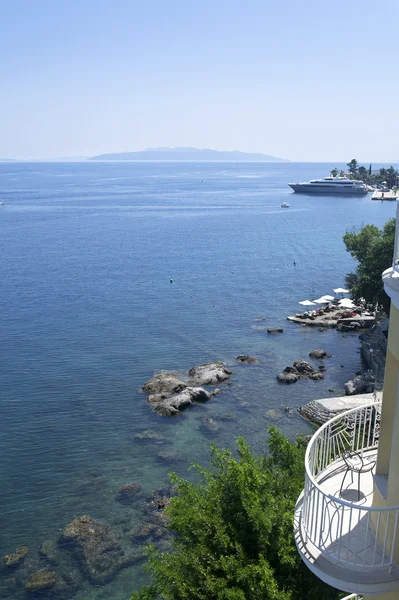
(88, 314)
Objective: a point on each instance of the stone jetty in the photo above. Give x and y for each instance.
(320, 411)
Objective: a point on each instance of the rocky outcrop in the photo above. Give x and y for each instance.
(169, 394)
(274, 330)
(15, 558)
(288, 377)
(164, 384)
(96, 547)
(361, 384)
(41, 581)
(174, 404)
(300, 370)
(316, 376)
(128, 492)
(373, 349)
(209, 374)
(244, 358)
(319, 354)
(303, 367)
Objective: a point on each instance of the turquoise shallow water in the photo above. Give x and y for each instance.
(88, 315)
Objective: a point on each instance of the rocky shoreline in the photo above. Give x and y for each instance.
(366, 384)
(91, 551)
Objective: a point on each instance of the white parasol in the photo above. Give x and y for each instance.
(341, 291)
(307, 303)
(346, 303)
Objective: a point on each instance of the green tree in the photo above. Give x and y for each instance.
(373, 249)
(370, 170)
(362, 171)
(334, 172)
(352, 166)
(234, 531)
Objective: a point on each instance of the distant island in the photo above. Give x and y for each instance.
(189, 154)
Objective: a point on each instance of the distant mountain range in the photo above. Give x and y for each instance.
(182, 154)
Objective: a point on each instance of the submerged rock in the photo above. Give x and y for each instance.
(149, 435)
(49, 552)
(15, 558)
(157, 502)
(244, 358)
(275, 330)
(209, 374)
(273, 413)
(169, 457)
(164, 384)
(210, 425)
(149, 530)
(41, 581)
(319, 354)
(128, 492)
(175, 403)
(96, 547)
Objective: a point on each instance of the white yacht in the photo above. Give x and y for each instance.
(330, 185)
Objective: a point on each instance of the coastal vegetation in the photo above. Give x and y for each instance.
(373, 249)
(233, 530)
(387, 177)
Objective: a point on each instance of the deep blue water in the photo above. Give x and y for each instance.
(88, 314)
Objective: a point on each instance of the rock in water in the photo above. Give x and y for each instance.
(128, 492)
(244, 358)
(96, 547)
(164, 384)
(287, 377)
(209, 374)
(172, 405)
(15, 558)
(275, 330)
(316, 375)
(148, 530)
(319, 354)
(149, 435)
(41, 581)
(303, 367)
(49, 552)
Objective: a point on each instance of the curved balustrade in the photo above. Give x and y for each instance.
(347, 531)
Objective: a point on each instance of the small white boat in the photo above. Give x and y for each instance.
(1, 202)
(285, 205)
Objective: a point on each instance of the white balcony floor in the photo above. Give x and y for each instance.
(347, 554)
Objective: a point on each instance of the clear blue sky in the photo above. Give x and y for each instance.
(304, 80)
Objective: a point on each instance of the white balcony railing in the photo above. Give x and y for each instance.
(342, 526)
(353, 597)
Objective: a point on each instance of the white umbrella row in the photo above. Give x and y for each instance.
(326, 299)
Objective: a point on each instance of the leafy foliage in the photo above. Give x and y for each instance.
(373, 249)
(353, 166)
(234, 531)
(387, 178)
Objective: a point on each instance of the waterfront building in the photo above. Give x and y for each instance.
(347, 518)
